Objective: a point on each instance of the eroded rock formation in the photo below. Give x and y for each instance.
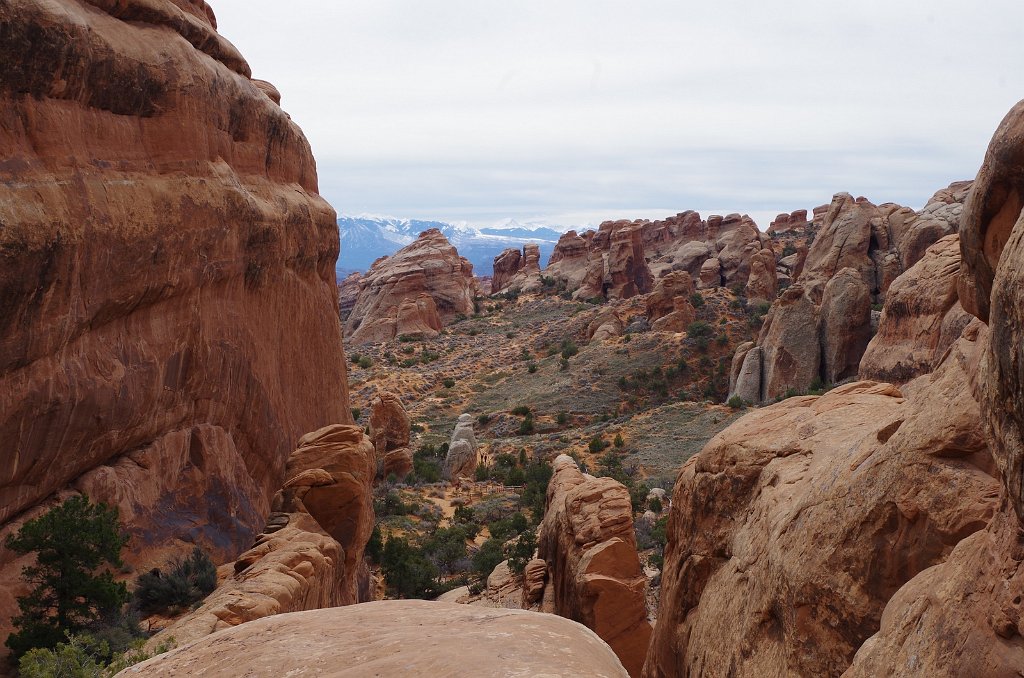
(461, 460)
(588, 543)
(515, 270)
(161, 225)
(921, 318)
(394, 638)
(414, 291)
(791, 530)
(819, 335)
(390, 429)
(310, 551)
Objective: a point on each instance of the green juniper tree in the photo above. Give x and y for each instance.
(72, 542)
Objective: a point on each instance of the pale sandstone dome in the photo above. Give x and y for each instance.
(148, 384)
(413, 291)
(593, 572)
(395, 638)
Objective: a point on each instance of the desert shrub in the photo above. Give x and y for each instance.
(186, 581)
(569, 349)
(597, 444)
(356, 412)
(521, 551)
(619, 442)
(448, 382)
(521, 411)
(655, 505)
(697, 299)
(365, 362)
(487, 558)
(698, 328)
(483, 419)
(531, 368)
(736, 403)
(408, 573)
(562, 418)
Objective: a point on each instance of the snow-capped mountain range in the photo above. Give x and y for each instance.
(366, 237)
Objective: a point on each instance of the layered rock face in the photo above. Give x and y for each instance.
(859, 250)
(515, 270)
(921, 318)
(161, 225)
(791, 530)
(589, 547)
(310, 551)
(395, 638)
(966, 616)
(414, 291)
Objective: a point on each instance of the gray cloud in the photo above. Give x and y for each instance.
(482, 110)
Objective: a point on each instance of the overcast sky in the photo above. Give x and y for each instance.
(575, 111)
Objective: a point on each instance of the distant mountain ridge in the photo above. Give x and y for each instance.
(365, 238)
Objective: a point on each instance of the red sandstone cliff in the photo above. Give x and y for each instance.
(168, 309)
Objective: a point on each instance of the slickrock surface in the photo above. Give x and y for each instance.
(966, 616)
(168, 307)
(414, 291)
(794, 527)
(588, 543)
(921, 318)
(309, 554)
(395, 638)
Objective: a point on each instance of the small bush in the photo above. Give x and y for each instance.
(619, 442)
(563, 364)
(526, 426)
(697, 299)
(521, 411)
(483, 419)
(448, 382)
(365, 362)
(187, 581)
(655, 505)
(736, 403)
(698, 328)
(569, 349)
(597, 444)
(356, 412)
(531, 368)
(562, 418)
